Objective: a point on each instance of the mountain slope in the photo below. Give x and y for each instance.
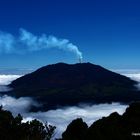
(66, 84)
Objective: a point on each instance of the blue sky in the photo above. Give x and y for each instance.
(107, 32)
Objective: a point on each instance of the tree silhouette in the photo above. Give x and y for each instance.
(12, 128)
(76, 130)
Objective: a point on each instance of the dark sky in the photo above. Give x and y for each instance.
(107, 32)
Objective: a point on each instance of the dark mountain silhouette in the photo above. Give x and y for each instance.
(69, 84)
(113, 127)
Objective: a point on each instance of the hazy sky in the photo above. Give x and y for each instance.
(107, 32)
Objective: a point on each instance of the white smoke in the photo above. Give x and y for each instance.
(28, 42)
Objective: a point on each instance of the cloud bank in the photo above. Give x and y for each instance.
(133, 74)
(20, 105)
(28, 42)
(135, 77)
(59, 117)
(5, 80)
(62, 117)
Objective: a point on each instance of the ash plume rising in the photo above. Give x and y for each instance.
(28, 42)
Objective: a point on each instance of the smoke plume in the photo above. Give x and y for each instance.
(28, 42)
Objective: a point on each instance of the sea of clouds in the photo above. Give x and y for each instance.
(60, 117)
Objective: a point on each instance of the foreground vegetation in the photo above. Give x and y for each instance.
(12, 128)
(113, 127)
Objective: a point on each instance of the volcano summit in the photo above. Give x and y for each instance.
(69, 84)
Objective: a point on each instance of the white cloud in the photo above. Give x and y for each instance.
(133, 74)
(7, 79)
(62, 117)
(19, 105)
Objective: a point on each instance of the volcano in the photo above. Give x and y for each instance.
(69, 84)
